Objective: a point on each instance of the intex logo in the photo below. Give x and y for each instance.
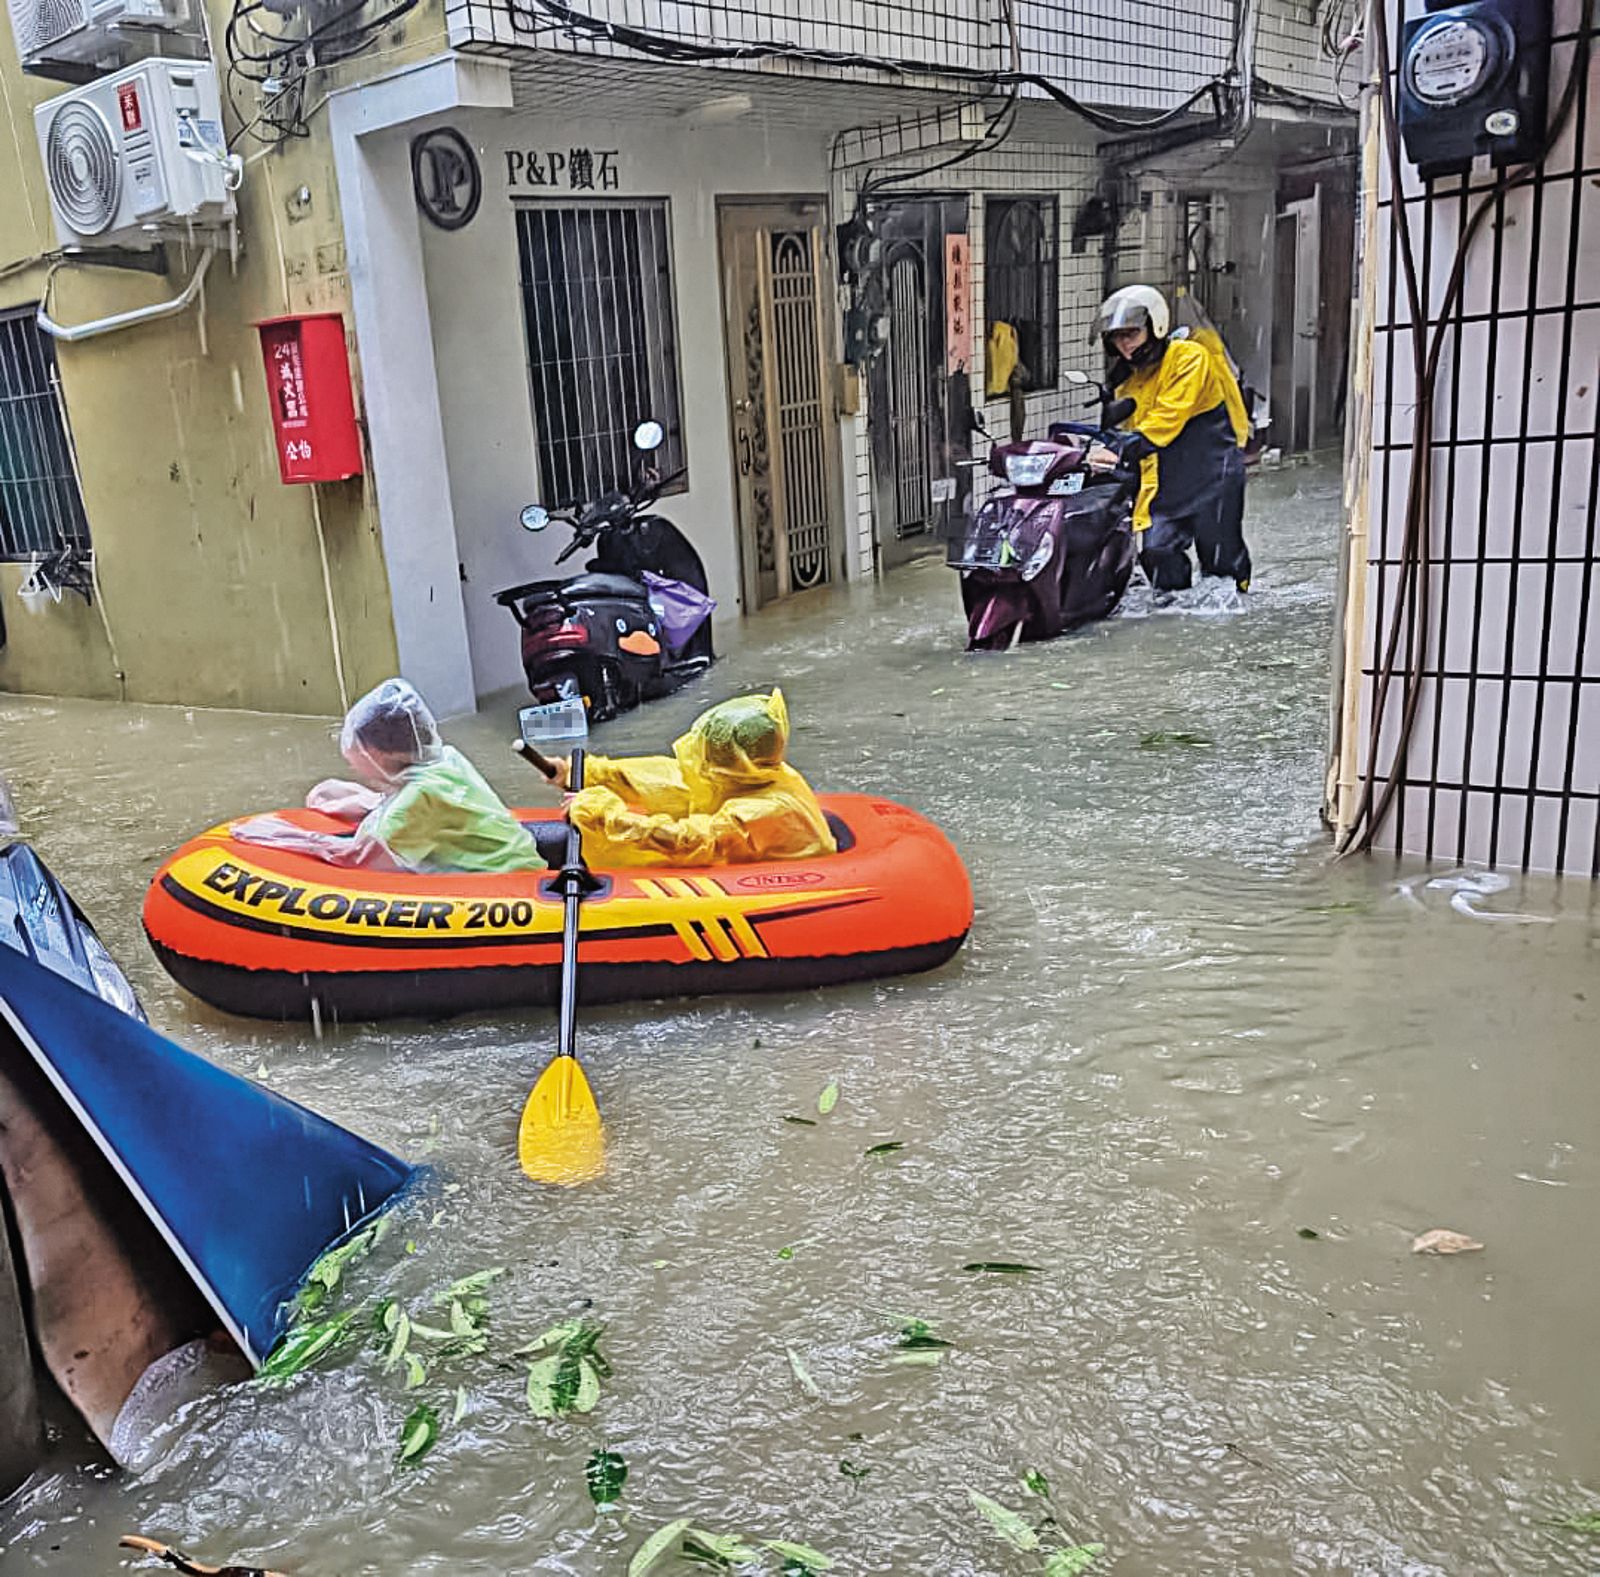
(771, 879)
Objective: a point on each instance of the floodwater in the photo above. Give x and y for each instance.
(1179, 1042)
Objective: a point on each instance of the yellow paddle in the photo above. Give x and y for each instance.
(560, 1139)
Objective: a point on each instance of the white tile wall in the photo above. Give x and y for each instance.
(1504, 765)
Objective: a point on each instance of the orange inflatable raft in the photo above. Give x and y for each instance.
(269, 934)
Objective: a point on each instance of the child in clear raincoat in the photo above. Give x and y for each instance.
(725, 796)
(422, 806)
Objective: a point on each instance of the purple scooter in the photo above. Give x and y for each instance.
(1054, 548)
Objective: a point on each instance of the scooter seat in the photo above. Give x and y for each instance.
(598, 585)
(534, 593)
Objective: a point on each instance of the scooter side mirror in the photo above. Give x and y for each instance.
(534, 518)
(649, 436)
(1080, 378)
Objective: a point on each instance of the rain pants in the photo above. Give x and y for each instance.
(428, 807)
(1191, 416)
(725, 796)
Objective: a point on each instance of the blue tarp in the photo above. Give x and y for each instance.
(248, 1188)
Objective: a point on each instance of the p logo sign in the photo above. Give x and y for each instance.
(446, 178)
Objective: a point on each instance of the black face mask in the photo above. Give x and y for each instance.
(1149, 353)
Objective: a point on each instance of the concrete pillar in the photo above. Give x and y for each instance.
(394, 342)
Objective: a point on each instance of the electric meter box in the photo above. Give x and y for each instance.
(308, 389)
(1474, 81)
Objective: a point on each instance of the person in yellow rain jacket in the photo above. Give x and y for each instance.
(1189, 426)
(725, 796)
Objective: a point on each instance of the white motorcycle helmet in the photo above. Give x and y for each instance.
(1135, 307)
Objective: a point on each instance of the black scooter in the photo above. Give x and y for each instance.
(596, 635)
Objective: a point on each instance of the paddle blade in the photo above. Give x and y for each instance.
(560, 1139)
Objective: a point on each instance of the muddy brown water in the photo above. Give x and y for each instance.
(1177, 1037)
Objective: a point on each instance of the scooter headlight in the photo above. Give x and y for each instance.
(1038, 559)
(1027, 470)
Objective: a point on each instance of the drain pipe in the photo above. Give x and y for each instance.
(127, 320)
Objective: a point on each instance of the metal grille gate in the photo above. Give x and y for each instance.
(908, 392)
(41, 510)
(800, 414)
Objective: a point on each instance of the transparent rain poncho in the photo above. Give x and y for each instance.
(424, 806)
(725, 796)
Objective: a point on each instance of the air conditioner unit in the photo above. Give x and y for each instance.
(58, 32)
(136, 155)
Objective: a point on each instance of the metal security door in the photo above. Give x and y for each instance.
(908, 389)
(918, 411)
(785, 452)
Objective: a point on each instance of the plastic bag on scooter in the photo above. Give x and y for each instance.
(682, 608)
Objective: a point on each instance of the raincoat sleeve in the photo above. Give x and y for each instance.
(649, 783)
(359, 849)
(344, 800)
(741, 831)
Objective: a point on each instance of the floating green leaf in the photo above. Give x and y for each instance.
(1161, 739)
(802, 1374)
(416, 1373)
(562, 1383)
(472, 1286)
(886, 1149)
(431, 1333)
(853, 1470)
(1037, 1482)
(1583, 1522)
(605, 1473)
(803, 1553)
(398, 1342)
(460, 1410)
(462, 1323)
(803, 1122)
(926, 1360)
(726, 1550)
(417, 1434)
(828, 1099)
(657, 1545)
(1016, 1530)
(324, 1276)
(1074, 1561)
(304, 1346)
(1001, 1267)
(786, 1252)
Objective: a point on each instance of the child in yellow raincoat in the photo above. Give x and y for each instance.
(725, 796)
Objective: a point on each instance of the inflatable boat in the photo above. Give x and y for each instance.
(270, 934)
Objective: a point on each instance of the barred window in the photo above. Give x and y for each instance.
(597, 306)
(1020, 266)
(41, 509)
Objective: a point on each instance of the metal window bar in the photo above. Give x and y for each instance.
(1020, 279)
(41, 507)
(602, 346)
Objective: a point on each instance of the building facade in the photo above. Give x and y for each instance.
(1468, 724)
(541, 225)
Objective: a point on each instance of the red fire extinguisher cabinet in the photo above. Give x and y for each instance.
(308, 390)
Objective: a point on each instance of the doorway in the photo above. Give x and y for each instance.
(784, 429)
(918, 410)
(1297, 323)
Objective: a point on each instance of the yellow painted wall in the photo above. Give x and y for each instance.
(213, 582)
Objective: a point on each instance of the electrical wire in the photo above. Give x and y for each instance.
(278, 64)
(580, 26)
(1413, 595)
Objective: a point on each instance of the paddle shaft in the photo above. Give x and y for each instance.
(573, 880)
(534, 758)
